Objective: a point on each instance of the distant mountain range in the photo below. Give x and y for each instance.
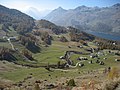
(104, 19)
(35, 13)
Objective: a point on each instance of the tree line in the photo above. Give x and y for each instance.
(77, 35)
(45, 36)
(6, 54)
(46, 24)
(30, 42)
(107, 44)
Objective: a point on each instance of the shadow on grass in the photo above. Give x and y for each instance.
(34, 49)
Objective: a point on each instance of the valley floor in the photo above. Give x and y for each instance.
(17, 77)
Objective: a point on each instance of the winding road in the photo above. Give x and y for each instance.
(76, 64)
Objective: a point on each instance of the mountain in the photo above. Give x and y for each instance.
(40, 24)
(55, 14)
(35, 13)
(18, 21)
(104, 19)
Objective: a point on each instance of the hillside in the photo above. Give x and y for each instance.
(18, 21)
(51, 26)
(100, 19)
(50, 69)
(55, 14)
(18, 47)
(41, 55)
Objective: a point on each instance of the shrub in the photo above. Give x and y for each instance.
(36, 87)
(63, 39)
(71, 82)
(113, 73)
(27, 54)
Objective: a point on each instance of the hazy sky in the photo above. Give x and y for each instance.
(42, 5)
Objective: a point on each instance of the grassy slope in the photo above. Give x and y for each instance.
(51, 55)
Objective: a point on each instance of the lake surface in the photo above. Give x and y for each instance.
(104, 35)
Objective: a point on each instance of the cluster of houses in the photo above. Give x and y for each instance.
(117, 60)
(14, 38)
(91, 62)
(93, 56)
(82, 59)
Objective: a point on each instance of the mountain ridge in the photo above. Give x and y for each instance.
(89, 18)
(35, 13)
(19, 21)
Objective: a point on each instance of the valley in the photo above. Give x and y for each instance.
(40, 55)
(57, 76)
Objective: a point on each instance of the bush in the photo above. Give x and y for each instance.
(27, 54)
(36, 87)
(71, 82)
(63, 39)
(113, 73)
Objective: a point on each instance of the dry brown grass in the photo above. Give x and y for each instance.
(111, 84)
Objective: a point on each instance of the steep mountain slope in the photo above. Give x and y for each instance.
(51, 26)
(19, 21)
(105, 19)
(55, 14)
(33, 12)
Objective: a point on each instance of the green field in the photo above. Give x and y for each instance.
(51, 55)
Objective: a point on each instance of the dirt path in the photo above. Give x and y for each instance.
(66, 70)
(11, 44)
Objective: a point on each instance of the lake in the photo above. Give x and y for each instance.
(104, 35)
